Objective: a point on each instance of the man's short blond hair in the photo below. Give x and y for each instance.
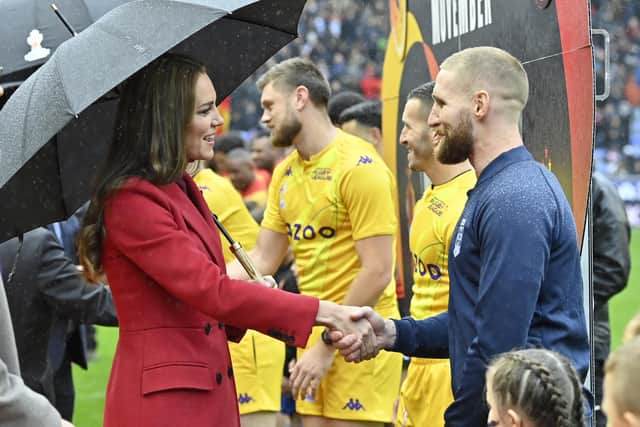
(295, 72)
(493, 70)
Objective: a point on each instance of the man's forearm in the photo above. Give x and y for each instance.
(367, 287)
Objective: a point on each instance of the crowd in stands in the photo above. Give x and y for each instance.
(345, 38)
(617, 142)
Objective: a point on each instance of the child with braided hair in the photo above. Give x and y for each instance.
(534, 388)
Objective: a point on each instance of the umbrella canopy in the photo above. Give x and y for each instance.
(40, 182)
(20, 55)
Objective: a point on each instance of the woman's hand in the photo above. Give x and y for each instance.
(267, 281)
(309, 370)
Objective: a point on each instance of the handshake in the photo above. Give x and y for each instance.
(359, 333)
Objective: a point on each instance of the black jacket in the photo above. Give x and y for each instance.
(611, 258)
(45, 288)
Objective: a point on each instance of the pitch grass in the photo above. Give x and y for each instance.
(91, 384)
(626, 304)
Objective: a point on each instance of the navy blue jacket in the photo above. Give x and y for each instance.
(514, 265)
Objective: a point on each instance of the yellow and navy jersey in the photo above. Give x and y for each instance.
(435, 217)
(225, 201)
(325, 204)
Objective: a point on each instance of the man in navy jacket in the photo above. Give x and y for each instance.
(514, 260)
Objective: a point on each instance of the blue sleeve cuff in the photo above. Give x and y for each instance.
(423, 338)
(405, 337)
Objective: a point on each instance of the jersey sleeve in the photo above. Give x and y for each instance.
(368, 194)
(272, 220)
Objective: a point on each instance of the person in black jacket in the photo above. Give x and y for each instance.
(42, 286)
(19, 405)
(611, 265)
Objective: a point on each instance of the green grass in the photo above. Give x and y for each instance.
(91, 384)
(626, 304)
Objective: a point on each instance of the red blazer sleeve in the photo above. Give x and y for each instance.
(148, 227)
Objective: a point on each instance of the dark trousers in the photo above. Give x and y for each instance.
(601, 419)
(64, 389)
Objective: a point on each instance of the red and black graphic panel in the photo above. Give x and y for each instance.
(550, 37)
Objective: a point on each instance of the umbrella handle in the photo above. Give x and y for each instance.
(247, 263)
(238, 251)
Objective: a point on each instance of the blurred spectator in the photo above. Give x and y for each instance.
(342, 37)
(364, 120)
(224, 144)
(371, 83)
(252, 183)
(617, 139)
(341, 101)
(264, 154)
(618, 117)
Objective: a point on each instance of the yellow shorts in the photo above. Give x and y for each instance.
(258, 361)
(364, 391)
(425, 394)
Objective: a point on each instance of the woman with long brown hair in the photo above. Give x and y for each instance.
(149, 230)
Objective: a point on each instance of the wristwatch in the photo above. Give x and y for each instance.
(325, 337)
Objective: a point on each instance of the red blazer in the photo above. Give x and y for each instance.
(164, 263)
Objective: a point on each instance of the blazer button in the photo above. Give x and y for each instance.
(219, 378)
(230, 372)
(220, 325)
(207, 328)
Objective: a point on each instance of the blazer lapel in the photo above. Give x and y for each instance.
(197, 215)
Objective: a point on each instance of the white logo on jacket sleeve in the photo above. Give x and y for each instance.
(458, 242)
(37, 51)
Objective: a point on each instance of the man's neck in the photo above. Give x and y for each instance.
(488, 147)
(439, 173)
(316, 134)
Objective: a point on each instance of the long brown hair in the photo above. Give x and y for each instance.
(156, 104)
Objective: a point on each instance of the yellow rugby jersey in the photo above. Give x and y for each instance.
(342, 194)
(435, 217)
(225, 201)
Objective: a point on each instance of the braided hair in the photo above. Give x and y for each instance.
(541, 384)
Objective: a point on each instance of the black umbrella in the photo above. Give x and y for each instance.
(40, 182)
(19, 55)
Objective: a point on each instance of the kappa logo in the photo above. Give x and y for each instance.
(289, 171)
(353, 405)
(364, 160)
(458, 242)
(244, 398)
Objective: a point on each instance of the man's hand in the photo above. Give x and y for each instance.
(307, 373)
(349, 346)
(350, 321)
